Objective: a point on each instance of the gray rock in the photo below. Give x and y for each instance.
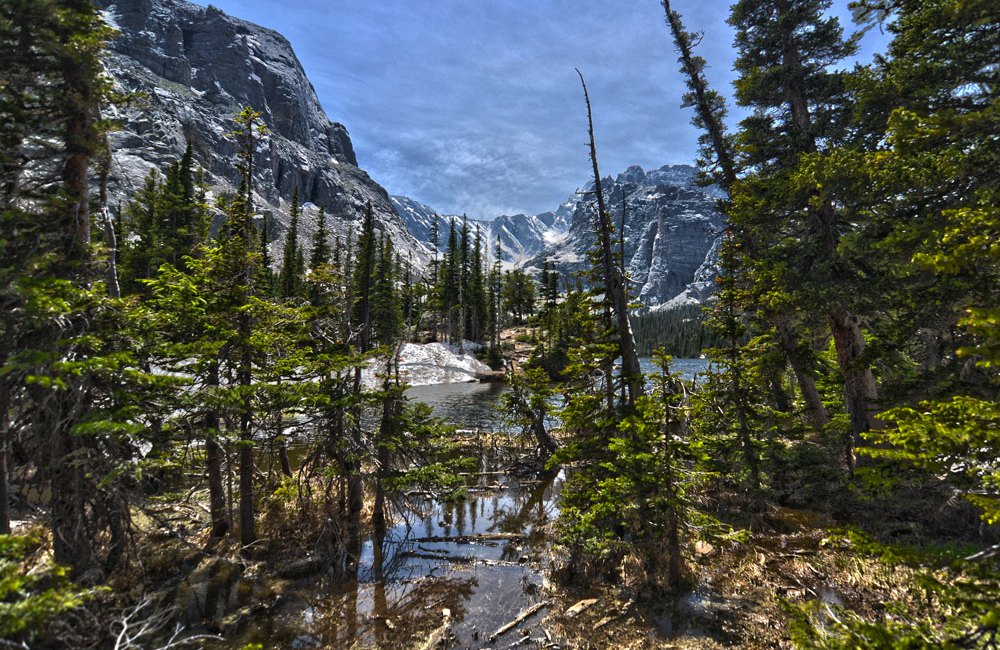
(196, 68)
(672, 231)
(521, 236)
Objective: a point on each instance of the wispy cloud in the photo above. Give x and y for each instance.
(475, 107)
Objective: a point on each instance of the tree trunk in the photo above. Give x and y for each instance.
(72, 544)
(78, 142)
(816, 412)
(248, 533)
(213, 462)
(710, 118)
(860, 392)
(283, 461)
(545, 440)
(4, 475)
(614, 281)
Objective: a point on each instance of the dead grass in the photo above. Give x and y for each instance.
(737, 598)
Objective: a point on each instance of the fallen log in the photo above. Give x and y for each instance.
(440, 635)
(470, 539)
(520, 618)
(579, 607)
(457, 559)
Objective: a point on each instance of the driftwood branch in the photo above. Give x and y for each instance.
(520, 618)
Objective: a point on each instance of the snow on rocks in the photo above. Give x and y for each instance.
(440, 363)
(434, 363)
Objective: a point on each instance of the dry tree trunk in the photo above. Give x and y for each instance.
(614, 280)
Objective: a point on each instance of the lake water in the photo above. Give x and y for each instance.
(473, 405)
(481, 559)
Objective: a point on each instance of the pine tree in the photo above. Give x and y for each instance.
(786, 50)
(363, 279)
(57, 346)
(387, 313)
(617, 311)
(266, 283)
(476, 291)
(320, 246)
(451, 284)
(292, 262)
(238, 245)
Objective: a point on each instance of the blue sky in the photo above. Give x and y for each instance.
(474, 106)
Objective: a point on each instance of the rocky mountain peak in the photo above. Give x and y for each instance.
(671, 233)
(197, 67)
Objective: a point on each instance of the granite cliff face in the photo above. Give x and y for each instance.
(672, 233)
(196, 67)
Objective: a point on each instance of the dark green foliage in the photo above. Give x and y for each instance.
(386, 300)
(632, 494)
(167, 221)
(680, 331)
(518, 295)
(293, 265)
(54, 354)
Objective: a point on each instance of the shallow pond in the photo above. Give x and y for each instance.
(480, 559)
(473, 564)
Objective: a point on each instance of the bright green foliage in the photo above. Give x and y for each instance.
(421, 451)
(931, 194)
(958, 439)
(960, 594)
(941, 145)
(31, 594)
(632, 494)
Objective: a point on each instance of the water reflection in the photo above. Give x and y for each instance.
(481, 558)
(473, 405)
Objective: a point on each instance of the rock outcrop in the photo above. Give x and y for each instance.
(672, 231)
(195, 68)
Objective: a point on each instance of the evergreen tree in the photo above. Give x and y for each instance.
(266, 282)
(387, 313)
(321, 253)
(363, 279)
(799, 102)
(718, 158)
(451, 284)
(518, 295)
(240, 260)
(475, 295)
(292, 262)
(57, 345)
(612, 278)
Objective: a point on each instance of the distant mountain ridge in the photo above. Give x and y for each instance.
(522, 236)
(672, 232)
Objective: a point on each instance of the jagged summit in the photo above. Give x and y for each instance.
(197, 67)
(521, 236)
(672, 231)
